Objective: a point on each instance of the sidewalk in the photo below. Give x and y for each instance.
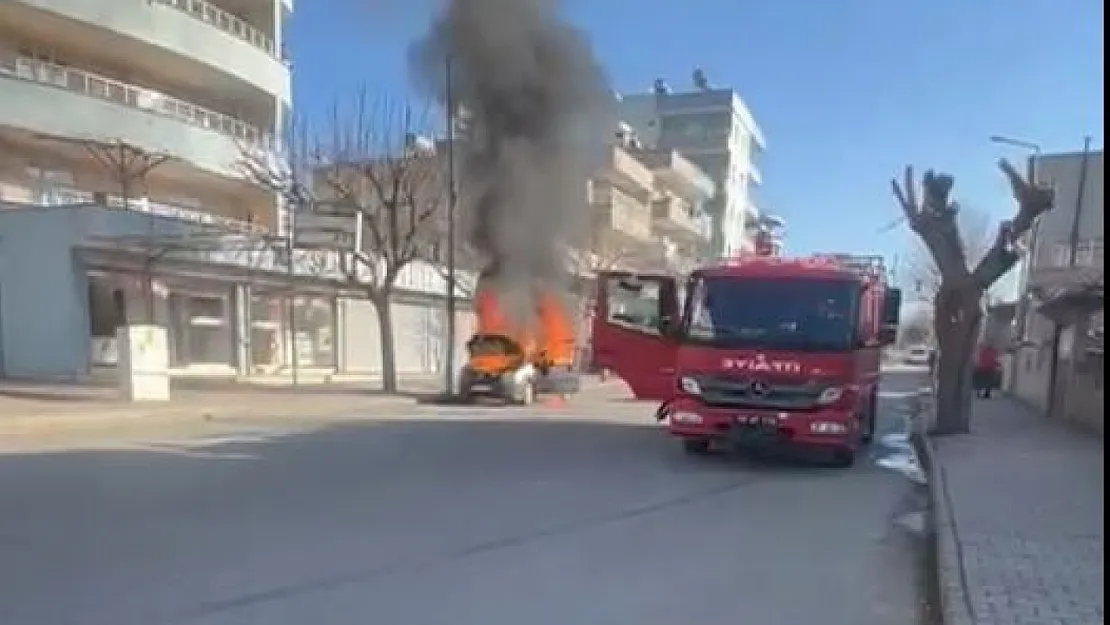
(30, 405)
(1019, 514)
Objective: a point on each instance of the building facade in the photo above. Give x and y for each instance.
(713, 128)
(123, 129)
(1058, 360)
(185, 84)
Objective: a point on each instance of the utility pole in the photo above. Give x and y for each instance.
(291, 302)
(1076, 219)
(452, 197)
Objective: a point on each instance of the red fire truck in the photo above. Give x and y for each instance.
(761, 351)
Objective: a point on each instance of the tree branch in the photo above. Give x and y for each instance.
(1033, 200)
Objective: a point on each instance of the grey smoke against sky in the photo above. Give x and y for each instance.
(539, 114)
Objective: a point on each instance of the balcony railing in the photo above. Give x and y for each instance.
(221, 19)
(139, 98)
(62, 196)
(1088, 253)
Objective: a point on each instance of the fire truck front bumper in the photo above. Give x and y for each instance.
(763, 428)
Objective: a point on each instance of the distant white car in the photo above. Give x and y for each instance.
(918, 356)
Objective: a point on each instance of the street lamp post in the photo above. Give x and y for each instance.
(452, 198)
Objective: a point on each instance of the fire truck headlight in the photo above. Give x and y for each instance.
(830, 395)
(686, 418)
(689, 386)
(827, 427)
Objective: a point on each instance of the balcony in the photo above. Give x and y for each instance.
(47, 99)
(673, 216)
(678, 174)
(78, 198)
(168, 36)
(625, 172)
(1053, 268)
(216, 17)
(621, 214)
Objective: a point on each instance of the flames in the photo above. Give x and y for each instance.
(546, 339)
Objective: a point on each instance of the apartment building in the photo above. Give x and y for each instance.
(123, 125)
(1059, 320)
(713, 128)
(191, 81)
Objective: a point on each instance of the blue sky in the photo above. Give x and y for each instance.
(847, 92)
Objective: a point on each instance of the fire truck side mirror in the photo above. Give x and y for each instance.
(891, 317)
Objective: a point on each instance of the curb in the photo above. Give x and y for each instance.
(162, 414)
(166, 413)
(951, 584)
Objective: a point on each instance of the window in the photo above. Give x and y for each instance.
(819, 315)
(633, 303)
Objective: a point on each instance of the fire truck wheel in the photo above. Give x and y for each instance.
(843, 458)
(872, 418)
(696, 446)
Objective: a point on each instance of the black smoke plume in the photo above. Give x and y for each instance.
(536, 114)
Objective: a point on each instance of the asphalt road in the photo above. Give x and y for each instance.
(476, 517)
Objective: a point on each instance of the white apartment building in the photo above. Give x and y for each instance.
(194, 80)
(146, 106)
(713, 128)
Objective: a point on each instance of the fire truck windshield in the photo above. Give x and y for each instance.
(793, 314)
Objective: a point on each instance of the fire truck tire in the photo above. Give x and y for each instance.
(843, 458)
(696, 446)
(872, 418)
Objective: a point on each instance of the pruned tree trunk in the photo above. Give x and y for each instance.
(957, 318)
(933, 216)
(389, 345)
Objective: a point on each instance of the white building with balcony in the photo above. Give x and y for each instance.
(713, 128)
(192, 81)
(123, 125)
(144, 106)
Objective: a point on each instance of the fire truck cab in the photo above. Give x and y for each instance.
(761, 351)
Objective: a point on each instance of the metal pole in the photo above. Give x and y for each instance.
(1073, 240)
(449, 105)
(291, 303)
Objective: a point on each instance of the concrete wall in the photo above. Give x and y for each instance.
(44, 304)
(1062, 171)
(44, 317)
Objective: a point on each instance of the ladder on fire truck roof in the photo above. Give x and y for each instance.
(872, 267)
(869, 267)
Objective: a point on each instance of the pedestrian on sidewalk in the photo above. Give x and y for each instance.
(987, 373)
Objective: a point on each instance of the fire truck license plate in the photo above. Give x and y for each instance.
(752, 420)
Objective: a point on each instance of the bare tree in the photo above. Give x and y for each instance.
(128, 166)
(375, 168)
(924, 273)
(958, 303)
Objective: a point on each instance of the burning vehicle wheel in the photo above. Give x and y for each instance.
(526, 394)
(696, 446)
